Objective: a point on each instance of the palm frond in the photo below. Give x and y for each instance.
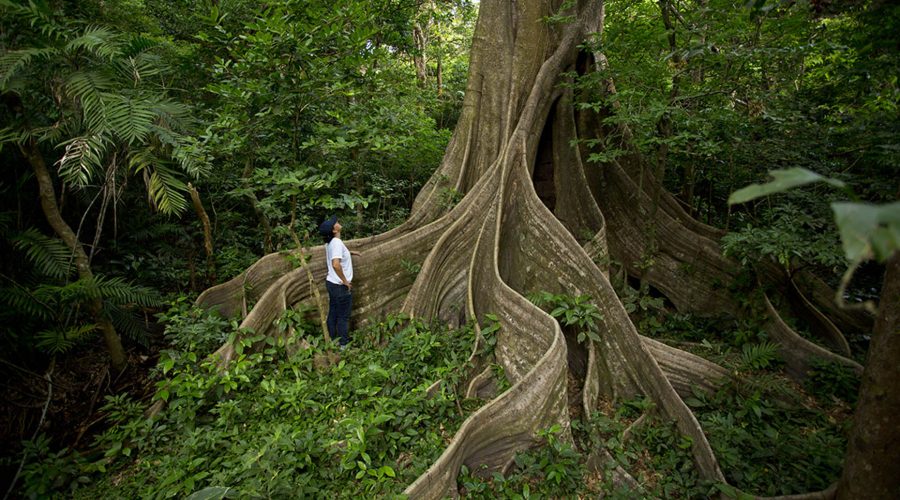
(138, 45)
(12, 135)
(89, 88)
(6, 221)
(19, 301)
(127, 323)
(50, 256)
(188, 151)
(97, 40)
(82, 159)
(167, 191)
(172, 114)
(35, 14)
(12, 62)
(119, 291)
(139, 67)
(60, 340)
(130, 118)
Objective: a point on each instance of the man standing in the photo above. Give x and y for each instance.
(339, 282)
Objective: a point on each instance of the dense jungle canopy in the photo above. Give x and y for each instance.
(627, 248)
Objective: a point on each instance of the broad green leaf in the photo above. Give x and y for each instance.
(867, 230)
(212, 492)
(784, 180)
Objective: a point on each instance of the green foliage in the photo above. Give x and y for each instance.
(192, 329)
(111, 107)
(49, 256)
(655, 454)
(760, 356)
(793, 238)
(867, 231)
(292, 420)
(766, 445)
(827, 380)
(51, 316)
(552, 468)
(577, 312)
(47, 472)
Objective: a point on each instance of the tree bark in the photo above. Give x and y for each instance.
(82, 263)
(207, 233)
(872, 462)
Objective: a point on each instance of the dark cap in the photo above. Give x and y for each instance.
(326, 228)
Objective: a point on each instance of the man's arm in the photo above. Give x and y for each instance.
(336, 264)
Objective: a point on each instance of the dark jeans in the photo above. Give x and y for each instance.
(340, 301)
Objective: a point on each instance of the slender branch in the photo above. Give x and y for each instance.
(49, 378)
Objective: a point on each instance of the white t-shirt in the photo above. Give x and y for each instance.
(336, 249)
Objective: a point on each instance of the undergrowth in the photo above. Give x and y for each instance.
(291, 419)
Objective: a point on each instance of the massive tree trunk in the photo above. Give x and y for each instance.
(534, 218)
(872, 463)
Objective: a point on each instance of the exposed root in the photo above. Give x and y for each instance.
(797, 352)
(819, 323)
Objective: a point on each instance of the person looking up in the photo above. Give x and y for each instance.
(339, 281)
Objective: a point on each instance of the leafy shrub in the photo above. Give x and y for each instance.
(285, 421)
(765, 445)
(553, 468)
(576, 312)
(826, 380)
(192, 329)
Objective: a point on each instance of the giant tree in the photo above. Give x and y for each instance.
(533, 217)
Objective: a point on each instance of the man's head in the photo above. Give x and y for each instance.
(329, 228)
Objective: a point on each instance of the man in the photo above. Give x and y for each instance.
(339, 281)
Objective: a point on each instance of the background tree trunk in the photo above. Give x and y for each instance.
(872, 462)
(82, 263)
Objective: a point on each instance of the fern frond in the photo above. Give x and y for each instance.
(138, 45)
(117, 290)
(12, 62)
(167, 191)
(50, 256)
(20, 301)
(127, 323)
(89, 87)
(97, 40)
(60, 340)
(130, 118)
(82, 159)
(139, 67)
(760, 356)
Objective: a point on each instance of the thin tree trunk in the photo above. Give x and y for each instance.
(419, 57)
(82, 264)
(207, 233)
(872, 462)
(254, 203)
